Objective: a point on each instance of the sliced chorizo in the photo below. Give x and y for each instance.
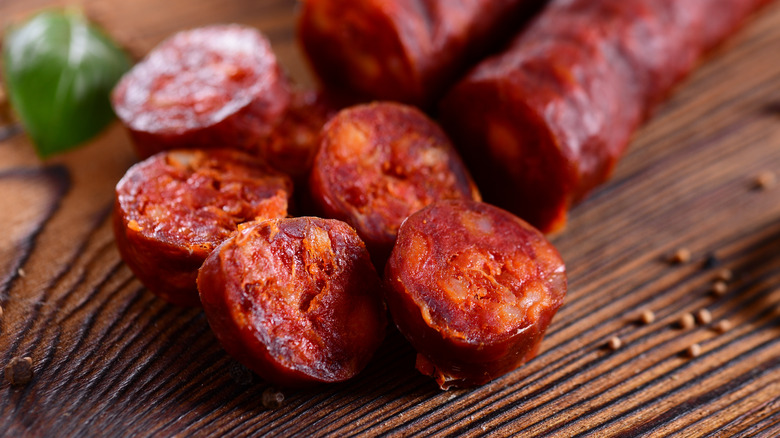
(215, 86)
(296, 300)
(404, 50)
(544, 122)
(378, 163)
(473, 288)
(174, 208)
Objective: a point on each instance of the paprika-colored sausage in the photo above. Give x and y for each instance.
(404, 50)
(545, 121)
(294, 142)
(215, 86)
(381, 162)
(174, 208)
(473, 288)
(296, 300)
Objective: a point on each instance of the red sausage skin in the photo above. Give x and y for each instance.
(296, 300)
(174, 208)
(215, 86)
(473, 288)
(403, 50)
(544, 122)
(381, 162)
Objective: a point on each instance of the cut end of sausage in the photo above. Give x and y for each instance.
(473, 288)
(174, 208)
(213, 86)
(379, 163)
(514, 158)
(296, 300)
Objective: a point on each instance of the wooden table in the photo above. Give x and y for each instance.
(110, 359)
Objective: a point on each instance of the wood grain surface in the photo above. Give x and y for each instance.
(110, 359)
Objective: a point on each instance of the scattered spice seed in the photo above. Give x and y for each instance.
(19, 371)
(614, 343)
(1, 311)
(719, 288)
(704, 316)
(272, 398)
(21, 272)
(724, 275)
(647, 317)
(682, 255)
(723, 326)
(693, 351)
(686, 321)
(766, 180)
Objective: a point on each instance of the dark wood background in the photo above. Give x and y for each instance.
(110, 359)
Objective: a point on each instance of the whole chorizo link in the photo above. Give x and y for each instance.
(175, 207)
(545, 121)
(473, 288)
(404, 50)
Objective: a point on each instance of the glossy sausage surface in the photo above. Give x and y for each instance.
(175, 207)
(215, 86)
(296, 300)
(545, 121)
(473, 288)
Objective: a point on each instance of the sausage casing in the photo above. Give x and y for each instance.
(544, 122)
(403, 50)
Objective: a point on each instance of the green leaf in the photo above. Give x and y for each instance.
(59, 71)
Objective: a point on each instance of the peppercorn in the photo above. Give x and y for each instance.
(272, 398)
(19, 371)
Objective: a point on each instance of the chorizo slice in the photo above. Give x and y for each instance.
(215, 86)
(174, 208)
(405, 50)
(381, 162)
(545, 121)
(473, 288)
(296, 300)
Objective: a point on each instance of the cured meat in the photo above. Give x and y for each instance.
(381, 162)
(216, 86)
(473, 288)
(404, 50)
(544, 122)
(174, 208)
(295, 300)
(294, 142)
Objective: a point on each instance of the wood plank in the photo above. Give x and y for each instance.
(111, 359)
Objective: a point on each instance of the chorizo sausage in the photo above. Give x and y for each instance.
(294, 142)
(296, 300)
(544, 122)
(473, 288)
(405, 50)
(205, 87)
(380, 162)
(174, 208)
